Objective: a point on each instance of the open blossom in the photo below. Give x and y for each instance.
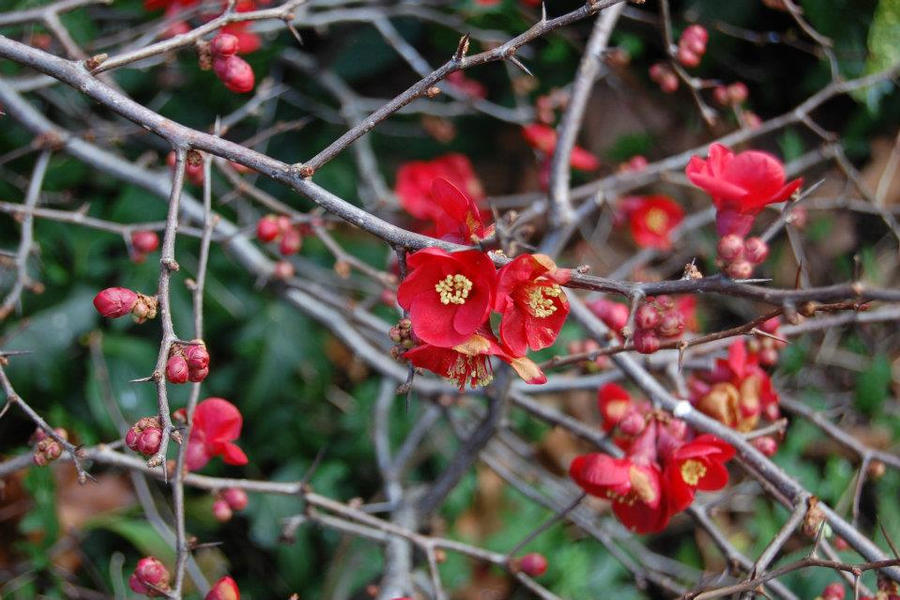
(533, 305)
(456, 216)
(217, 423)
(469, 363)
(741, 185)
(448, 295)
(414, 180)
(696, 465)
(634, 488)
(543, 138)
(651, 220)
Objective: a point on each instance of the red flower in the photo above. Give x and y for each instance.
(414, 181)
(469, 363)
(543, 138)
(533, 305)
(456, 216)
(614, 403)
(633, 488)
(467, 85)
(741, 185)
(652, 219)
(448, 296)
(217, 423)
(224, 589)
(697, 465)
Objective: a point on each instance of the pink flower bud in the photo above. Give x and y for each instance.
(646, 342)
(756, 250)
(533, 564)
(149, 575)
(221, 511)
(235, 497)
(115, 302)
(224, 44)
(672, 324)
(149, 441)
(632, 424)
(236, 74)
(145, 241)
(738, 93)
(741, 269)
(613, 314)
(637, 163)
(647, 318)
(766, 444)
(669, 83)
(198, 375)
(696, 32)
(291, 241)
(721, 96)
(833, 591)
(730, 247)
(267, 229)
(224, 589)
(177, 370)
(196, 355)
(771, 411)
(768, 357)
(687, 57)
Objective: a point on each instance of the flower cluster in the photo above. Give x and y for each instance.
(543, 139)
(187, 362)
(658, 317)
(145, 436)
(450, 297)
(47, 449)
(692, 45)
(227, 501)
(233, 70)
(651, 219)
(289, 236)
(664, 76)
(217, 423)
(738, 393)
(663, 465)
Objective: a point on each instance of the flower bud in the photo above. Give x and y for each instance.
(149, 441)
(613, 314)
(833, 591)
(632, 424)
(224, 44)
(741, 269)
(766, 444)
(235, 497)
(669, 83)
(533, 564)
(721, 96)
(149, 577)
(646, 342)
(235, 73)
(688, 57)
(224, 589)
(145, 241)
(647, 318)
(177, 369)
(198, 375)
(768, 357)
(672, 324)
(730, 248)
(267, 229)
(756, 250)
(291, 241)
(738, 93)
(144, 308)
(196, 355)
(221, 511)
(115, 302)
(283, 270)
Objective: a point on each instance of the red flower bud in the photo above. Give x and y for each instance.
(731, 247)
(613, 314)
(145, 436)
(669, 83)
(533, 564)
(285, 270)
(738, 93)
(235, 497)
(177, 370)
(235, 73)
(688, 57)
(632, 424)
(224, 589)
(221, 511)
(145, 241)
(224, 44)
(198, 375)
(833, 591)
(766, 444)
(768, 357)
(721, 95)
(647, 318)
(267, 228)
(646, 342)
(741, 269)
(672, 324)
(115, 302)
(291, 241)
(756, 250)
(197, 357)
(149, 576)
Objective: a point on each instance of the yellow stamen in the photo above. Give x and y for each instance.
(470, 368)
(453, 289)
(692, 471)
(540, 300)
(656, 220)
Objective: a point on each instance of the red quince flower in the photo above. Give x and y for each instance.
(543, 138)
(456, 216)
(414, 180)
(741, 185)
(224, 589)
(634, 489)
(469, 363)
(652, 219)
(696, 465)
(217, 423)
(533, 305)
(614, 403)
(448, 295)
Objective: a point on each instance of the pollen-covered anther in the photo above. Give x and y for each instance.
(692, 471)
(540, 299)
(656, 220)
(472, 369)
(453, 289)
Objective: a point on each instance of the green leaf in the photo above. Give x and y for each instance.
(140, 533)
(872, 385)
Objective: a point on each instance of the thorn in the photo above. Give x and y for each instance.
(461, 49)
(515, 60)
(543, 12)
